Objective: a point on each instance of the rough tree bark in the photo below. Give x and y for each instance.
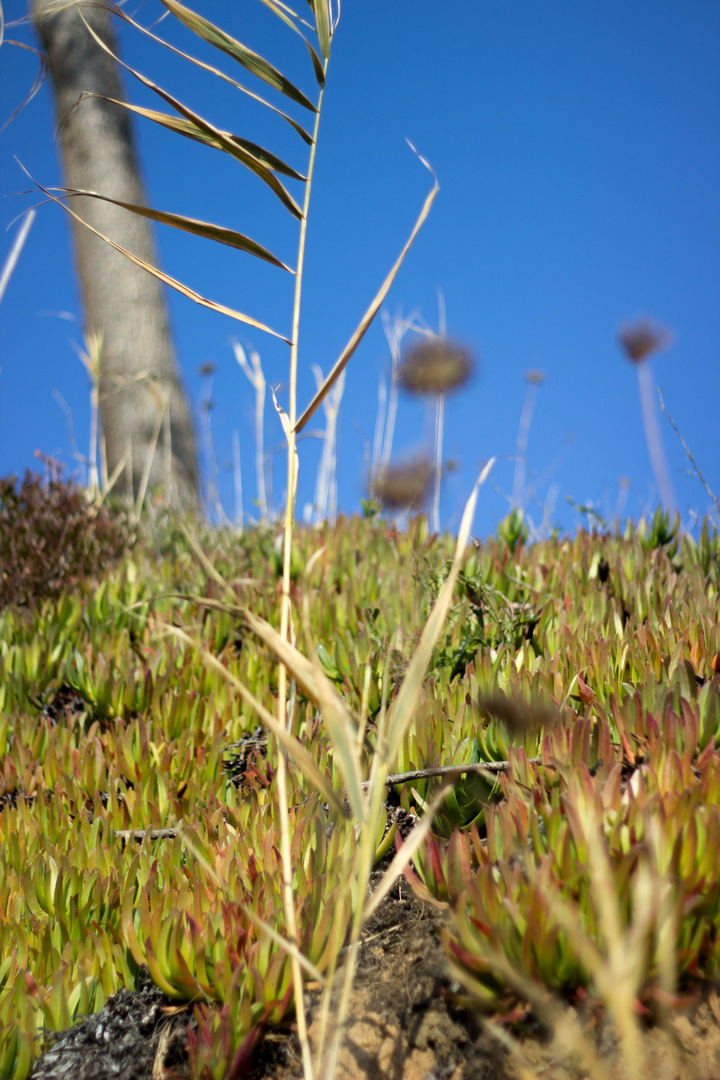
(122, 301)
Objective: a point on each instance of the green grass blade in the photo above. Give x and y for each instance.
(344, 358)
(405, 854)
(291, 11)
(206, 229)
(317, 65)
(322, 20)
(250, 60)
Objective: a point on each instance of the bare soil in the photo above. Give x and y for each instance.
(404, 1024)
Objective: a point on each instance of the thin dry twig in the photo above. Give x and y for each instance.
(479, 767)
(687, 450)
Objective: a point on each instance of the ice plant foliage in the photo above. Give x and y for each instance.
(585, 669)
(590, 663)
(182, 120)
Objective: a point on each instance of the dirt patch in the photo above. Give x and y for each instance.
(404, 1025)
(124, 1041)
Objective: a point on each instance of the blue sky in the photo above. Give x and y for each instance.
(578, 152)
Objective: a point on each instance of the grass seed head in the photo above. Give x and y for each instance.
(404, 485)
(642, 338)
(435, 366)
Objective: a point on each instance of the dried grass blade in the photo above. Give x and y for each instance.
(205, 229)
(37, 82)
(190, 130)
(409, 691)
(314, 683)
(564, 1021)
(216, 135)
(316, 61)
(296, 750)
(251, 61)
(144, 480)
(319, 689)
(371, 312)
(211, 571)
(396, 867)
(14, 253)
(305, 135)
(172, 282)
(405, 854)
(285, 421)
(110, 482)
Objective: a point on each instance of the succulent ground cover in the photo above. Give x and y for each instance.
(572, 883)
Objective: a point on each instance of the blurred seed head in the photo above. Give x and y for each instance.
(435, 366)
(405, 485)
(518, 716)
(535, 378)
(641, 339)
(207, 369)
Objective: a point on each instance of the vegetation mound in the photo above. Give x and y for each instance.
(562, 743)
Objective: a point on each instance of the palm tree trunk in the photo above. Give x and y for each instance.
(122, 302)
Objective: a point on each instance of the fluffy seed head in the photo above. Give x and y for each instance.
(435, 366)
(640, 339)
(404, 485)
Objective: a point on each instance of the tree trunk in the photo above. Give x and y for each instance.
(122, 302)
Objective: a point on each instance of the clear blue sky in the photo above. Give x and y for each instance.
(578, 151)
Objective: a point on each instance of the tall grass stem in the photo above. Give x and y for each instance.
(439, 425)
(14, 253)
(654, 438)
(285, 613)
(521, 446)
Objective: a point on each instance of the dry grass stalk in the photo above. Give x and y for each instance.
(257, 380)
(14, 253)
(639, 340)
